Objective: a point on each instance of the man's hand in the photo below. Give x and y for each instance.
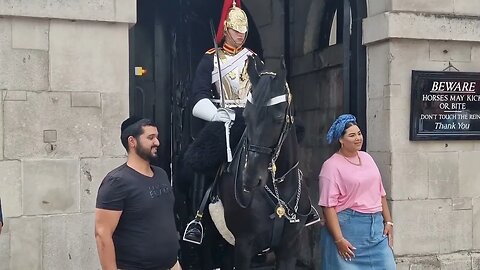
(224, 115)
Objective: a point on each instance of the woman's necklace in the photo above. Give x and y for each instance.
(351, 162)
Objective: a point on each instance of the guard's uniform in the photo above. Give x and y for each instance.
(208, 150)
(236, 82)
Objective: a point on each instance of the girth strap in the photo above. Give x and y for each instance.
(278, 223)
(277, 232)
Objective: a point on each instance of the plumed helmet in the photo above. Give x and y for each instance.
(232, 17)
(236, 19)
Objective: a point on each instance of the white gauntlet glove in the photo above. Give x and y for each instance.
(224, 115)
(204, 109)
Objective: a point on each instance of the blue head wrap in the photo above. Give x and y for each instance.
(337, 128)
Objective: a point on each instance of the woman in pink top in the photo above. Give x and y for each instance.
(359, 229)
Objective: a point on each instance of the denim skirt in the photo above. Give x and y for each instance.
(363, 231)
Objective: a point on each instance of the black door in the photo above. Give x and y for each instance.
(150, 84)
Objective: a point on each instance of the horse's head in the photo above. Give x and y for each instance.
(267, 117)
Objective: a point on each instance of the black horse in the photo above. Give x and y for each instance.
(262, 191)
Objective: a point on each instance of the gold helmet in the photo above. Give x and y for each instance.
(236, 19)
(232, 17)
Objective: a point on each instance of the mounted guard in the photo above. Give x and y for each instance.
(219, 95)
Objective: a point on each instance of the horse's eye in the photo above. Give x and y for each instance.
(278, 119)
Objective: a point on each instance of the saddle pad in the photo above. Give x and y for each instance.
(217, 213)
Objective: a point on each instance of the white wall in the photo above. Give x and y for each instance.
(433, 185)
(64, 88)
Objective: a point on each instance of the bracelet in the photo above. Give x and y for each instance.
(389, 223)
(339, 240)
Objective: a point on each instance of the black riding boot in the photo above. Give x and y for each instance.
(194, 231)
(313, 217)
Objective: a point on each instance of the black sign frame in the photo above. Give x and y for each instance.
(420, 109)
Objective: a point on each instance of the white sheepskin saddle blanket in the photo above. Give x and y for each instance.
(218, 217)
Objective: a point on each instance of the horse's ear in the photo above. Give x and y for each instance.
(282, 74)
(252, 70)
(259, 65)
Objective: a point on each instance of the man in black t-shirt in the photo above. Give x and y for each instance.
(134, 219)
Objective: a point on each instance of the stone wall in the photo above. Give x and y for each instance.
(64, 89)
(433, 185)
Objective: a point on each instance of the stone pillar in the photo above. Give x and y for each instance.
(433, 185)
(64, 87)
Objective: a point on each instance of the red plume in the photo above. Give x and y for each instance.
(227, 5)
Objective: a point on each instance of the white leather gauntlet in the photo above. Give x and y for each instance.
(204, 109)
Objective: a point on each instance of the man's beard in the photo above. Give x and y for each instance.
(144, 153)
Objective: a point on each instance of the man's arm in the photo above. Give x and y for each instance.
(177, 266)
(1, 217)
(105, 223)
(202, 82)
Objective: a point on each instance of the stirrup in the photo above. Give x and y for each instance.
(194, 231)
(312, 217)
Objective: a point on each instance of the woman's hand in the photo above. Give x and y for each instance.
(388, 231)
(345, 249)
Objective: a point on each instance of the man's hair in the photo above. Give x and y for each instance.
(133, 126)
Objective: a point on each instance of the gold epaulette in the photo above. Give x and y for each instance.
(211, 51)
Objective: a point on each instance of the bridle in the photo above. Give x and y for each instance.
(287, 124)
(282, 208)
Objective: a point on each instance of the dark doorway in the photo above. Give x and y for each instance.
(150, 90)
(166, 43)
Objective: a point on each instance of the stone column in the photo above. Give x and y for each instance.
(64, 88)
(433, 185)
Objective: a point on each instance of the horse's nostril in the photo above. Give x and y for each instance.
(246, 189)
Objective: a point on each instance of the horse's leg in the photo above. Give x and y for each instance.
(286, 255)
(243, 254)
(286, 263)
(227, 259)
(209, 246)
